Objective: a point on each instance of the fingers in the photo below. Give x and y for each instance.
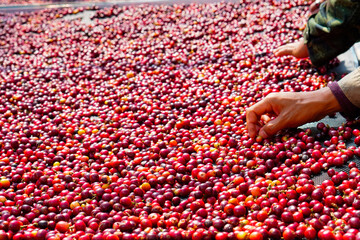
(273, 127)
(297, 49)
(265, 119)
(252, 123)
(287, 49)
(253, 115)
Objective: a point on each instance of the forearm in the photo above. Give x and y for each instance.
(347, 92)
(326, 101)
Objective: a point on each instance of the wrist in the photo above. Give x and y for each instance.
(319, 103)
(328, 99)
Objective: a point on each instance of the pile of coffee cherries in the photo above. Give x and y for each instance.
(38, 2)
(133, 127)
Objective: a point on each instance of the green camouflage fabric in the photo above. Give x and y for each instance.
(333, 30)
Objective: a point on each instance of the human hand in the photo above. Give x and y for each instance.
(290, 109)
(296, 49)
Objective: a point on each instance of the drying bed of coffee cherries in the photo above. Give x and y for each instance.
(133, 127)
(35, 2)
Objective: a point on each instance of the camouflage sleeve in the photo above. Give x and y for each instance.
(333, 30)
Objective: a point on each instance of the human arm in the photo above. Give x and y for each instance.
(330, 32)
(292, 109)
(297, 49)
(333, 30)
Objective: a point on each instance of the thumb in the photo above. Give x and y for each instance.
(272, 127)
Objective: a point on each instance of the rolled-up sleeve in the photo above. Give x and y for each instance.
(333, 30)
(347, 92)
